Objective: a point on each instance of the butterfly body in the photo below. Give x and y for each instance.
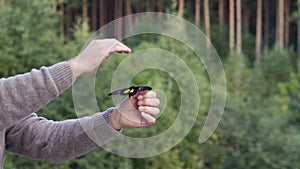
(131, 91)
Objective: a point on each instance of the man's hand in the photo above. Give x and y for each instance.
(94, 54)
(139, 111)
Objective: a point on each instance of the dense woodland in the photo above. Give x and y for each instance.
(270, 22)
(258, 42)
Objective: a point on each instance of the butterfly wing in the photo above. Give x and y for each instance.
(124, 91)
(134, 90)
(143, 88)
(131, 91)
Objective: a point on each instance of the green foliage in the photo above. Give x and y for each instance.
(260, 124)
(295, 15)
(219, 39)
(253, 134)
(248, 48)
(276, 65)
(288, 99)
(23, 39)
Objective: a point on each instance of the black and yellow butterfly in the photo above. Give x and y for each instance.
(131, 91)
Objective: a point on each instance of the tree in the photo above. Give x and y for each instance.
(207, 22)
(84, 11)
(231, 27)
(239, 27)
(118, 14)
(69, 19)
(286, 23)
(258, 31)
(130, 19)
(221, 14)
(150, 5)
(94, 15)
(280, 28)
(103, 12)
(181, 8)
(160, 6)
(266, 7)
(197, 12)
(61, 17)
(298, 33)
(259, 99)
(246, 16)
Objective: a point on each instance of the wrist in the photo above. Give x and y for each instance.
(73, 64)
(115, 119)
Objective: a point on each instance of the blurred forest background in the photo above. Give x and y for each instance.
(258, 42)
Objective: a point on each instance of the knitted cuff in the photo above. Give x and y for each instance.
(62, 75)
(106, 115)
(99, 128)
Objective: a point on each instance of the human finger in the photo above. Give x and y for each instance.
(153, 102)
(153, 111)
(150, 119)
(147, 94)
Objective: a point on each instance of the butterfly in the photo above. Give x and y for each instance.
(131, 91)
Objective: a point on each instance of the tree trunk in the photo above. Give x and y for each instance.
(103, 12)
(258, 31)
(221, 14)
(69, 20)
(246, 16)
(277, 23)
(266, 23)
(160, 7)
(207, 22)
(197, 12)
(231, 27)
(129, 18)
(153, 5)
(94, 15)
(239, 27)
(61, 18)
(181, 8)
(281, 23)
(298, 32)
(84, 11)
(118, 14)
(287, 23)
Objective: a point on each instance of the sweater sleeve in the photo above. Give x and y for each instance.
(24, 94)
(41, 139)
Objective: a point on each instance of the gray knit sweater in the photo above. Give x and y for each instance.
(24, 133)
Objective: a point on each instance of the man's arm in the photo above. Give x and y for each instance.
(23, 94)
(42, 139)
